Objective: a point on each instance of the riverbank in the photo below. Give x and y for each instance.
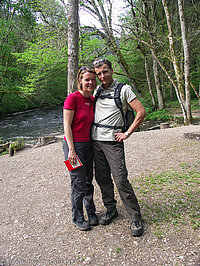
(36, 226)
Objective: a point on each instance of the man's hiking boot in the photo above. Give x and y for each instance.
(82, 225)
(93, 219)
(136, 228)
(107, 218)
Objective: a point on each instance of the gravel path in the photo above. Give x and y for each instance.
(36, 226)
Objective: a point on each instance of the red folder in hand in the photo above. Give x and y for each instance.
(70, 166)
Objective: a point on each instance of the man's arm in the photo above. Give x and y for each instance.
(137, 106)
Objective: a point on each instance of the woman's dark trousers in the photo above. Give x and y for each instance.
(82, 189)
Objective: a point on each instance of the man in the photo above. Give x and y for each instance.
(108, 146)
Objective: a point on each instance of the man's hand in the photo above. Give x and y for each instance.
(120, 137)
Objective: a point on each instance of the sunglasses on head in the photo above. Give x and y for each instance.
(83, 68)
(86, 68)
(98, 63)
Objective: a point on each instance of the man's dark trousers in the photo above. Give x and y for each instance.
(109, 158)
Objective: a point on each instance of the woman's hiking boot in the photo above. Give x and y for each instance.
(82, 225)
(107, 218)
(93, 219)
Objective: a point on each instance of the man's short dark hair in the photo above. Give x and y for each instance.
(100, 62)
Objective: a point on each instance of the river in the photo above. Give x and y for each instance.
(32, 124)
(36, 123)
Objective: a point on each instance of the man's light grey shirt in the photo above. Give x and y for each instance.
(107, 113)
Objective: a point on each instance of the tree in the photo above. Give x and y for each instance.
(32, 53)
(33, 49)
(96, 8)
(16, 27)
(153, 29)
(177, 69)
(149, 82)
(143, 24)
(73, 49)
(45, 55)
(151, 26)
(186, 61)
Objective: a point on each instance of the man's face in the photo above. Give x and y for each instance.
(104, 74)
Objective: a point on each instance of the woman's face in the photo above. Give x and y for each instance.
(88, 82)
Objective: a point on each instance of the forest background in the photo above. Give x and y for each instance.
(154, 47)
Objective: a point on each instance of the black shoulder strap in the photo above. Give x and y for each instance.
(97, 94)
(118, 100)
(118, 103)
(117, 95)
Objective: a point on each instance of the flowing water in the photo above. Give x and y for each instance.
(32, 124)
(36, 123)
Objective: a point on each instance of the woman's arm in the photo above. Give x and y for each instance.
(68, 116)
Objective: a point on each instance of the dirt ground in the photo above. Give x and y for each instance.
(36, 227)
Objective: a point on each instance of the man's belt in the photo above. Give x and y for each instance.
(107, 126)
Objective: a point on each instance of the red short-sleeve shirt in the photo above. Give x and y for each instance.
(83, 115)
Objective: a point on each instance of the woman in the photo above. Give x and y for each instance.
(78, 116)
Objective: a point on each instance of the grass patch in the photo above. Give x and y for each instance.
(171, 197)
(118, 250)
(162, 115)
(4, 152)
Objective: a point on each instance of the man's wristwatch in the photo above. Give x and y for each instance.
(127, 134)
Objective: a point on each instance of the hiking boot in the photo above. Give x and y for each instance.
(107, 218)
(82, 225)
(136, 228)
(93, 219)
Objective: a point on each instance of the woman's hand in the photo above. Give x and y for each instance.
(67, 121)
(72, 156)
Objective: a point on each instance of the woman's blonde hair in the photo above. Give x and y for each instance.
(82, 71)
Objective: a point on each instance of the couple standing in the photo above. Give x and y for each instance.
(106, 147)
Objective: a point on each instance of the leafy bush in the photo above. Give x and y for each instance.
(161, 115)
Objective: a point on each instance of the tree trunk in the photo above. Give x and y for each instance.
(186, 62)
(171, 86)
(199, 94)
(161, 104)
(149, 82)
(169, 77)
(73, 34)
(187, 107)
(172, 52)
(152, 28)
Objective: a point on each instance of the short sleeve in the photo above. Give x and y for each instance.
(92, 98)
(70, 102)
(127, 94)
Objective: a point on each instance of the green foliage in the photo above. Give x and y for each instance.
(18, 144)
(90, 47)
(33, 55)
(33, 51)
(16, 26)
(160, 115)
(45, 61)
(195, 104)
(135, 60)
(4, 153)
